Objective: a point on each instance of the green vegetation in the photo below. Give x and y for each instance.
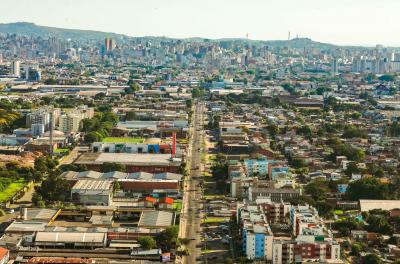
(168, 238)
(112, 166)
(147, 242)
(209, 220)
(177, 206)
(53, 188)
(371, 188)
(122, 140)
(133, 87)
(354, 132)
(371, 259)
(9, 187)
(99, 126)
(61, 150)
(198, 92)
(343, 149)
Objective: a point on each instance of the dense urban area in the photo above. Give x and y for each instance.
(116, 149)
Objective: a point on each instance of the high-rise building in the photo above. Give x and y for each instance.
(32, 73)
(70, 122)
(335, 67)
(109, 45)
(15, 68)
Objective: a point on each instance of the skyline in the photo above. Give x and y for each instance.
(342, 23)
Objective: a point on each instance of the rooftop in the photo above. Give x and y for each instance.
(129, 159)
(92, 185)
(156, 219)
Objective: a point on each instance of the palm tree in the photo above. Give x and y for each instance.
(7, 117)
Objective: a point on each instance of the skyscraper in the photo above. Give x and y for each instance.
(107, 44)
(15, 68)
(334, 67)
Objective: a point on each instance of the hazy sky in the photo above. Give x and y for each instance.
(365, 22)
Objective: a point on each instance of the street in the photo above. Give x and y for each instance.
(191, 217)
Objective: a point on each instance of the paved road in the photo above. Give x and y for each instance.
(191, 218)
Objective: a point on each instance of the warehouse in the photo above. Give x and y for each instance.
(152, 163)
(70, 239)
(92, 192)
(156, 219)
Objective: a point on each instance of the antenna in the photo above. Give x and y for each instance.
(289, 36)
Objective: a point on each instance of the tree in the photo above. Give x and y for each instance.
(198, 92)
(345, 225)
(147, 242)
(305, 131)
(45, 164)
(352, 168)
(99, 96)
(368, 188)
(379, 224)
(317, 189)
(321, 90)
(73, 167)
(111, 166)
(93, 137)
(273, 130)
(356, 248)
(354, 132)
(371, 259)
(37, 200)
(53, 188)
(168, 238)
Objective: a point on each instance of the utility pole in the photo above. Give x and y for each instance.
(51, 124)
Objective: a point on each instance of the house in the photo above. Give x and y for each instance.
(359, 235)
(4, 255)
(147, 201)
(166, 203)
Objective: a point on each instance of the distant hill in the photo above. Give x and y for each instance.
(31, 29)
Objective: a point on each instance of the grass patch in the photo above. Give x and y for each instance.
(207, 174)
(61, 150)
(214, 196)
(338, 212)
(177, 206)
(209, 220)
(123, 140)
(11, 190)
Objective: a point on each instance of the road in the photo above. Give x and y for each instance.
(191, 217)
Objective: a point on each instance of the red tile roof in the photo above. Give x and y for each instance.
(167, 200)
(3, 253)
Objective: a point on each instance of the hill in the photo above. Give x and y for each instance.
(31, 29)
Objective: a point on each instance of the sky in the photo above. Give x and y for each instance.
(343, 22)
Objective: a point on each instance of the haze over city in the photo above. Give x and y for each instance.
(354, 22)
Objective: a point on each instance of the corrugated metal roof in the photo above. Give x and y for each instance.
(70, 237)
